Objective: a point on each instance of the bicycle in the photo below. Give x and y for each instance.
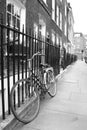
(34, 86)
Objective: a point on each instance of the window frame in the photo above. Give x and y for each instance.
(65, 28)
(53, 37)
(61, 20)
(21, 10)
(13, 16)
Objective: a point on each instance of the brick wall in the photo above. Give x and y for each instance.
(36, 7)
(3, 17)
(31, 13)
(3, 10)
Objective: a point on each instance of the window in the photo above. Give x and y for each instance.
(60, 20)
(13, 16)
(65, 30)
(16, 14)
(57, 39)
(57, 15)
(35, 29)
(53, 10)
(42, 30)
(53, 37)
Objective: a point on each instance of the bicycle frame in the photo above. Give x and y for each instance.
(39, 78)
(35, 86)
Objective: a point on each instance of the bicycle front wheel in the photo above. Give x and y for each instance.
(24, 100)
(51, 83)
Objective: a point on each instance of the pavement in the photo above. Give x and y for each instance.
(68, 109)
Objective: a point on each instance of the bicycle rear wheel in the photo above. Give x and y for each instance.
(51, 83)
(24, 100)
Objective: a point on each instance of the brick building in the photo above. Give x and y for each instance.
(47, 18)
(44, 17)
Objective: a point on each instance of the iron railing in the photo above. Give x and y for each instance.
(13, 52)
(16, 47)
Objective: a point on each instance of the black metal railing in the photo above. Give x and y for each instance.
(13, 52)
(16, 47)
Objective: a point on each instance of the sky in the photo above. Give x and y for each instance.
(79, 8)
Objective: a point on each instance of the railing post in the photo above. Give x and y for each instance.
(18, 67)
(8, 70)
(22, 63)
(2, 70)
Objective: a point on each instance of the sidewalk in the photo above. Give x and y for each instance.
(68, 109)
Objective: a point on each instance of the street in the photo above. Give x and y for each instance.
(68, 109)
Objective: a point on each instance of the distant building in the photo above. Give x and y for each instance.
(85, 45)
(80, 44)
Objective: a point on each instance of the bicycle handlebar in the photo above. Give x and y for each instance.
(36, 54)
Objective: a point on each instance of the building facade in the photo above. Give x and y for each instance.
(48, 18)
(70, 29)
(44, 17)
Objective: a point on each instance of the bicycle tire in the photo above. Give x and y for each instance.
(51, 83)
(30, 107)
